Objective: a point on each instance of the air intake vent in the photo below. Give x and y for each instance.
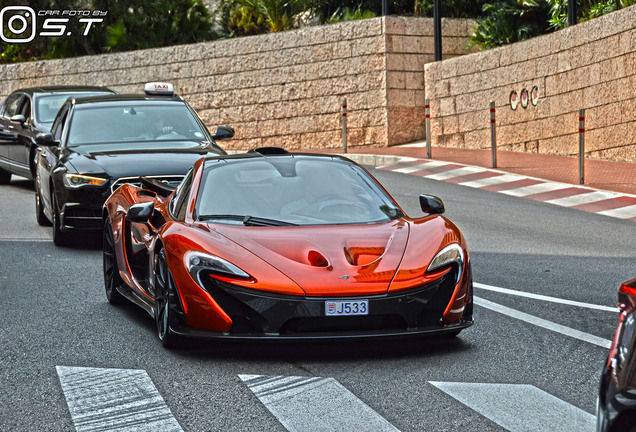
(267, 151)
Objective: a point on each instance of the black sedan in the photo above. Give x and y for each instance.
(24, 114)
(616, 406)
(98, 143)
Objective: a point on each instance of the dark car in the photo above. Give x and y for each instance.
(98, 143)
(616, 405)
(284, 246)
(24, 114)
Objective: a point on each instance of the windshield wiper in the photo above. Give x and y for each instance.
(248, 220)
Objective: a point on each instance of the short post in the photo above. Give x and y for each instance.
(344, 125)
(493, 139)
(581, 145)
(427, 116)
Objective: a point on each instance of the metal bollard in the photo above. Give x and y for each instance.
(344, 125)
(581, 145)
(427, 116)
(493, 139)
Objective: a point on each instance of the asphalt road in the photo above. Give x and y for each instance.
(53, 313)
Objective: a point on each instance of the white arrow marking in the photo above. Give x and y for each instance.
(122, 400)
(520, 407)
(315, 404)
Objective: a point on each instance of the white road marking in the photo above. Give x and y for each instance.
(458, 172)
(122, 400)
(519, 407)
(621, 213)
(534, 189)
(314, 403)
(489, 181)
(540, 322)
(544, 298)
(585, 198)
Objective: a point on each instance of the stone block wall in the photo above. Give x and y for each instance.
(282, 89)
(591, 65)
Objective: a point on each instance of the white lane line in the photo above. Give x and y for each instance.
(627, 212)
(545, 298)
(457, 172)
(314, 403)
(122, 400)
(540, 322)
(585, 198)
(489, 181)
(534, 189)
(519, 407)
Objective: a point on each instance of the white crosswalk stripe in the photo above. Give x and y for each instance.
(121, 400)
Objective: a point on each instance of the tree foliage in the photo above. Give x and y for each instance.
(451, 8)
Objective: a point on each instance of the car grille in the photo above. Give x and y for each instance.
(171, 180)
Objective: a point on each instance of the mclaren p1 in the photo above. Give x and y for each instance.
(276, 245)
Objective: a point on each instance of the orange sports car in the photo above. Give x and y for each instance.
(276, 245)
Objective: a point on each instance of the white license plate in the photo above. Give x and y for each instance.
(346, 307)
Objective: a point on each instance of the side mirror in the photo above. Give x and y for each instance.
(141, 212)
(19, 118)
(45, 139)
(627, 295)
(223, 133)
(431, 204)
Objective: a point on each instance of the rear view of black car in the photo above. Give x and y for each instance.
(616, 405)
(96, 144)
(24, 114)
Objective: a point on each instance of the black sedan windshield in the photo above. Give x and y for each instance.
(292, 191)
(46, 107)
(133, 122)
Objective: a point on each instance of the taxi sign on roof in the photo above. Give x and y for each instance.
(157, 88)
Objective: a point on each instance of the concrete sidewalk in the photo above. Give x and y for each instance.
(599, 174)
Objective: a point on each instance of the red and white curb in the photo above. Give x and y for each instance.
(613, 204)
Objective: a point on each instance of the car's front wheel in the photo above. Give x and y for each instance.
(39, 207)
(59, 238)
(5, 177)
(112, 279)
(165, 298)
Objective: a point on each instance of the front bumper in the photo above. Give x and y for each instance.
(257, 315)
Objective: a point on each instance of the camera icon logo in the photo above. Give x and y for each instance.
(18, 20)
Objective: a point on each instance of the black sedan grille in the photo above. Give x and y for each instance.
(170, 180)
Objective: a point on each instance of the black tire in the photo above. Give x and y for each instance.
(5, 177)
(112, 279)
(39, 208)
(165, 298)
(59, 238)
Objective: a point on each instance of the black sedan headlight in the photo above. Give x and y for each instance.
(79, 180)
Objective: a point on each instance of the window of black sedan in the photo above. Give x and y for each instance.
(135, 122)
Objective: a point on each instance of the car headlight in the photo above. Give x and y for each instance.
(79, 180)
(196, 262)
(451, 254)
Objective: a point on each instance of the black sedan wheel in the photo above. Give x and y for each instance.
(5, 177)
(165, 292)
(39, 208)
(112, 279)
(59, 238)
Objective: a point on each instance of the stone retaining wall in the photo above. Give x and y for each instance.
(591, 65)
(282, 89)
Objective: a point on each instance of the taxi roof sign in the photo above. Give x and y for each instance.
(159, 89)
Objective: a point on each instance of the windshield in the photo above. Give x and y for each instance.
(133, 122)
(292, 191)
(46, 107)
